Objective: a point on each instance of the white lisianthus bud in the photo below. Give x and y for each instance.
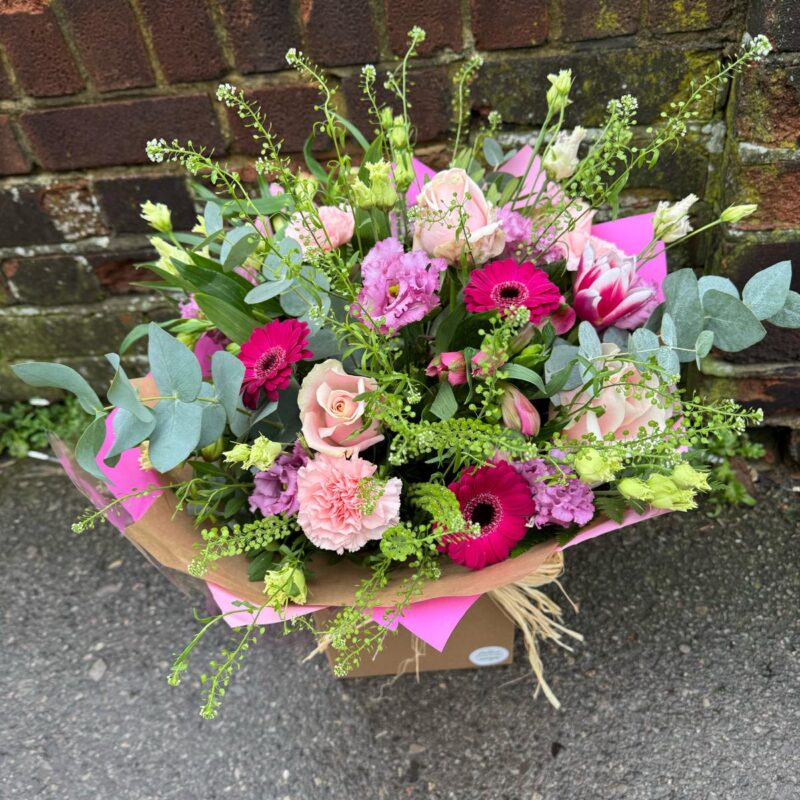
(561, 160)
(671, 221)
(733, 214)
(157, 216)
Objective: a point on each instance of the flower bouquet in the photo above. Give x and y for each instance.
(387, 391)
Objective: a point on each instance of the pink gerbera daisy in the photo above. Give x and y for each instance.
(499, 500)
(268, 356)
(503, 285)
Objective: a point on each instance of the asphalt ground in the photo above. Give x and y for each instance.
(687, 687)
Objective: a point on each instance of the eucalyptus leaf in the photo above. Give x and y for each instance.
(561, 370)
(239, 243)
(444, 405)
(682, 295)
(589, 341)
(323, 344)
(122, 394)
(492, 152)
(766, 292)
(265, 411)
(59, 376)
(703, 345)
(789, 315)
(616, 336)
(734, 325)
(177, 432)
(212, 218)
(643, 344)
(667, 359)
(719, 283)
(88, 447)
(227, 372)
(668, 331)
(212, 424)
(129, 431)
(175, 368)
(268, 290)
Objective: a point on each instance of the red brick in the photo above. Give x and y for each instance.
(288, 109)
(12, 160)
(509, 24)
(6, 89)
(184, 40)
(778, 20)
(441, 20)
(120, 199)
(768, 107)
(37, 50)
(581, 21)
(110, 44)
(776, 189)
(339, 33)
(429, 97)
(116, 133)
(50, 280)
(260, 32)
(688, 15)
(24, 219)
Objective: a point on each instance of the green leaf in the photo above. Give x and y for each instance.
(492, 152)
(519, 373)
(227, 372)
(174, 366)
(444, 404)
(212, 423)
(89, 446)
(667, 359)
(643, 344)
(176, 434)
(703, 345)
(447, 328)
(59, 376)
(129, 431)
(233, 323)
(212, 217)
(789, 315)
(766, 292)
(134, 334)
(589, 341)
(354, 132)
(683, 305)
(268, 290)
(719, 283)
(122, 394)
(669, 332)
(323, 344)
(561, 370)
(314, 167)
(734, 325)
(238, 245)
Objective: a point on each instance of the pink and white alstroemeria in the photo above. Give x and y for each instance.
(608, 291)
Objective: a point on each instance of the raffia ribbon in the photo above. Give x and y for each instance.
(537, 616)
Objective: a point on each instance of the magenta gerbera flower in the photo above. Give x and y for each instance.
(503, 285)
(268, 356)
(499, 500)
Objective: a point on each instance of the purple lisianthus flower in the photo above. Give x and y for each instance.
(397, 287)
(189, 308)
(276, 489)
(556, 503)
(517, 228)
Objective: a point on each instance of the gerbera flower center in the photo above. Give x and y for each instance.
(485, 510)
(270, 362)
(510, 293)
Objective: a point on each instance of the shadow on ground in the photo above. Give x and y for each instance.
(688, 685)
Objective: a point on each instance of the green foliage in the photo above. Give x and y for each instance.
(719, 453)
(25, 426)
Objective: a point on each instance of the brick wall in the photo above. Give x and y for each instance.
(84, 84)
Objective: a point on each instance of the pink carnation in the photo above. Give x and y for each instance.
(340, 507)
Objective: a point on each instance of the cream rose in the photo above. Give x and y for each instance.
(331, 416)
(454, 218)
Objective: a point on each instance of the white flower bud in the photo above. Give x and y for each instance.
(733, 214)
(671, 221)
(561, 160)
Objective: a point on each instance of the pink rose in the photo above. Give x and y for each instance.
(331, 416)
(340, 507)
(625, 406)
(608, 290)
(336, 229)
(439, 231)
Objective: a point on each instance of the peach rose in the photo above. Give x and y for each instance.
(331, 416)
(337, 228)
(438, 229)
(624, 401)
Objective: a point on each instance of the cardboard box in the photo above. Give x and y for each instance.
(483, 638)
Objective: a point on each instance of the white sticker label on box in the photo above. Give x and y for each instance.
(488, 656)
